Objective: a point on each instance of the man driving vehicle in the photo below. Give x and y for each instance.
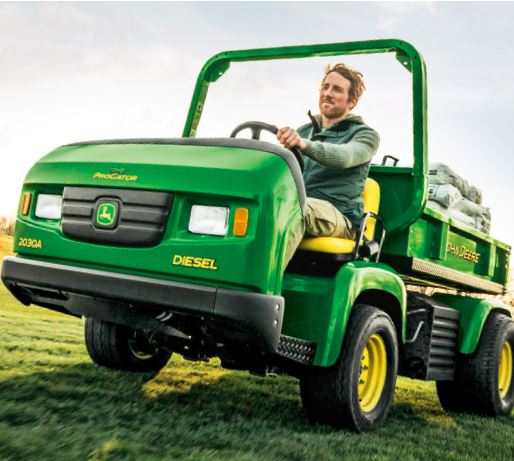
(337, 148)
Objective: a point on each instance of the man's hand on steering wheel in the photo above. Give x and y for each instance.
(289, 138)
(257, 127)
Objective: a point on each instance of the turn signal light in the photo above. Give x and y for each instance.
(241, 222)
(27, 196)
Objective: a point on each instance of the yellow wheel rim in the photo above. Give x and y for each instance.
(505, 370)
(140, 347)
(372, 373)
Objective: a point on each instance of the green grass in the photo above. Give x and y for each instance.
(57, 405)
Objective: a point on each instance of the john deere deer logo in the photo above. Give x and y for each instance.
(106, 214)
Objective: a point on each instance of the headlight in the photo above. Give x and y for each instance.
(49, 206)
(211, 220)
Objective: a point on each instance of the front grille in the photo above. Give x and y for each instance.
(141, 219)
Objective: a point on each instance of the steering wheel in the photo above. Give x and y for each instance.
(257, 127)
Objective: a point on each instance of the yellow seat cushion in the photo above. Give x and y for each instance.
(371, 197)
(327, 245)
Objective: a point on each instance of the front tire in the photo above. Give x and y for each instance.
(484, 381)
(356, 393)
(122, 348)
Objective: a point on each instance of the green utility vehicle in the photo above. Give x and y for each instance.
(177, 245)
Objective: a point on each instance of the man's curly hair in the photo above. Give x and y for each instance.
(357, 86)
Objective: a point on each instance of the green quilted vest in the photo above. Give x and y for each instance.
(341, 187)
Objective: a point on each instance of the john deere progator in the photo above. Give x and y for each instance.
(177, 246)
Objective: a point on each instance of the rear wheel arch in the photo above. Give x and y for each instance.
(493, 312)
(474, 313)
(500, 310)
(484, 380)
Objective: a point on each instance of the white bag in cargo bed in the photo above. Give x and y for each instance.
(444, 194)
(439, 173)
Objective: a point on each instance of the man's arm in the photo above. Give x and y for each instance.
(358, 151)
(362, 147)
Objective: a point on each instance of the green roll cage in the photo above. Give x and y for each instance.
(406, 54)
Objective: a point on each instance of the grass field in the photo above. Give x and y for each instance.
(56, 405)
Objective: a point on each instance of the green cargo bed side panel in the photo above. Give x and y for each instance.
(473, 314)
(317, 308)
(446, 252)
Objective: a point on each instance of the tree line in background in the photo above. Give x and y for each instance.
(6, 226)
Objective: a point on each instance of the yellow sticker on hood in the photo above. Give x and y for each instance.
(192, 261)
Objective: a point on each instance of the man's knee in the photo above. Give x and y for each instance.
(324, 219)
(344, 228)
(294, 240)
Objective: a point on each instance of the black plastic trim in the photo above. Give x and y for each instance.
(259, 315)
(431, 348)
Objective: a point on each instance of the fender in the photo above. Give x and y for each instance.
(353, 281)
(317, 309)
(473, 314)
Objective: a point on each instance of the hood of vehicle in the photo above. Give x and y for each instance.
(174, 165)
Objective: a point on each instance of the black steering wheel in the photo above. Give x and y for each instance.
(257, 127)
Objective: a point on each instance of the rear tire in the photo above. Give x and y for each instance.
(450, 396)
(357, 391)
(122, 348)
(484, 381)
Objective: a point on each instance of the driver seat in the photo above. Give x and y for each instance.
(325, 255)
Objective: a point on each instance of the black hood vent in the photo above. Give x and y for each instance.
(116, 217)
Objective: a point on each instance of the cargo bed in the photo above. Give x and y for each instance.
(439, 251)
(433, 249)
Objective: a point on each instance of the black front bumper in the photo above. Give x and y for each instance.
(130, 299)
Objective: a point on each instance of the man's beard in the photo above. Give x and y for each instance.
(332, 112)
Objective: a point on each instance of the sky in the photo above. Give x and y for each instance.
(80, 71)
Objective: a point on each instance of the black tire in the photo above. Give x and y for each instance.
(476, 388)
(331, 395)
(450, 396)
(122, 348)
